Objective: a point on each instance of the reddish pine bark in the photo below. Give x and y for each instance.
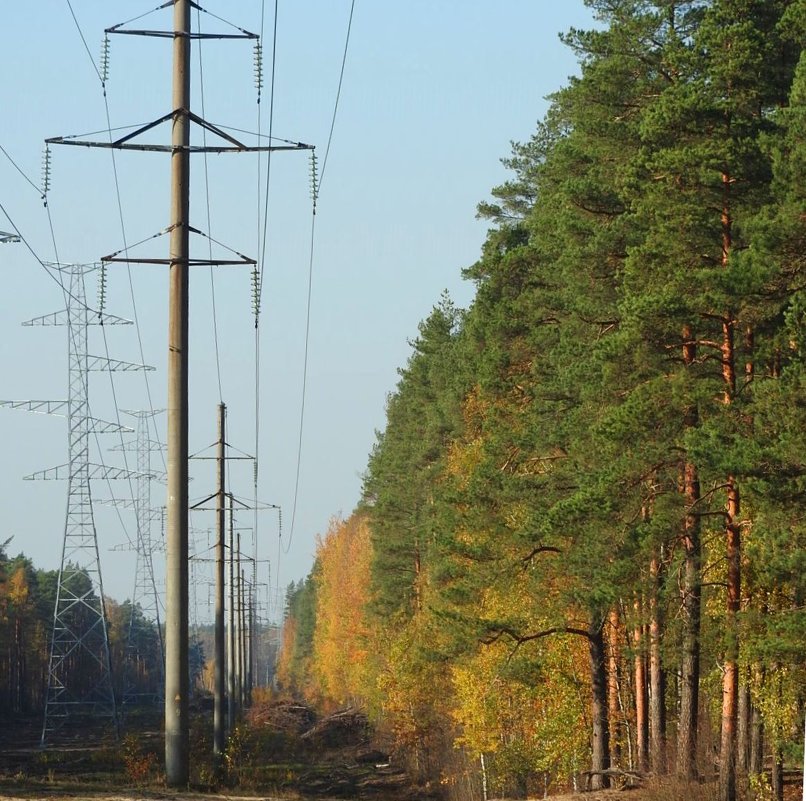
(730, 677)
(614, 665)
(641, 706)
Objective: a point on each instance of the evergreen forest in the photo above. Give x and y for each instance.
(580, 552)
(27, 600)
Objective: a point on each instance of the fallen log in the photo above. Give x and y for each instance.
(631, 776)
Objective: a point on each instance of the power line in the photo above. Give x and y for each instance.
(86, 47)
(338, 92)
(17, 167)
(304, 384)
(268, 157)
(316, 187)
(209, 222)
(259, 274)
(42, 263)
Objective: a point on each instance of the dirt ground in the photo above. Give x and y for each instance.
(330, 759)
(63, 794)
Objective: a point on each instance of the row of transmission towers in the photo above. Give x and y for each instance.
(80, 630)
(79, 681)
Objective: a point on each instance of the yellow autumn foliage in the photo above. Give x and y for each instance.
(524, 708)
(341, 635)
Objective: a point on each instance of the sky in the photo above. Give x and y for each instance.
(434, 92)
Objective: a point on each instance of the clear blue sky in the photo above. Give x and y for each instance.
(433, 94)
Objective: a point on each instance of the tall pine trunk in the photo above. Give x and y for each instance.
(743, 728)
(691, 591)
(756, 761)
(600, 741)
(614, 668)
(730, 676)
(641, 706)
(657, 676)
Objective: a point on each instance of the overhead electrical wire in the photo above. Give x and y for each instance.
(42, 263)
(209, 218)
(81, 34)
(316, 188)
(17, 167)
(269, 154)
(54, 275)
(262, 239)
(338, 94)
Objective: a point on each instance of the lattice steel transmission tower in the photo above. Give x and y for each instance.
(80, 669)
(145, 597)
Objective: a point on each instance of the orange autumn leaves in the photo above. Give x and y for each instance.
(341, 634)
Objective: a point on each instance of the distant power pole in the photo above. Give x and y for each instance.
(239, 632)
(232, 710)
(219, 715)
(80, 668)
(229, 649)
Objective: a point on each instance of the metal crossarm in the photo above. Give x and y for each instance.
(56, 407)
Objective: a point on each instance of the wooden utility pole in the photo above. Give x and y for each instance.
(176, 619)
(219, 715)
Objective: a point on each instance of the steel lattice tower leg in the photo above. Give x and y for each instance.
(145, 598)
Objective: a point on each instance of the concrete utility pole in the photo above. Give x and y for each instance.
(238, 624)
(219, 719)
(242, 611)
(177, 765)
(231, 710)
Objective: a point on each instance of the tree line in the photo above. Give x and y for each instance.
(580, 545)
(27, 601)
